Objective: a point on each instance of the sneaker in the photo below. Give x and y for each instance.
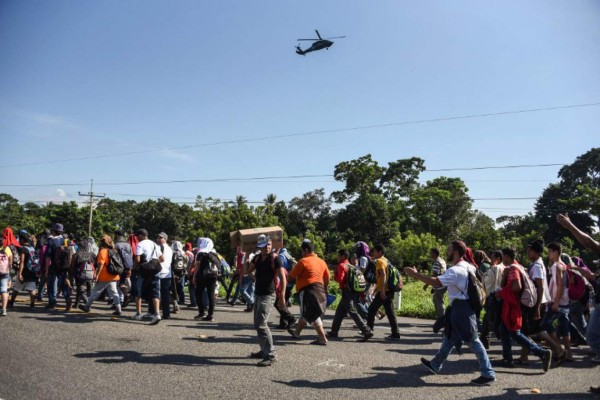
(506, 363)
(3, 313)
(249, 309)
(393, 337)
(199, 316)
(332, 335)
(258, 354)
(49, 307)
(292, 332)
(117, 313)
(482, 381)
(546, 360)
(266, 362)
(83, 308)
(137, 317)
(208, 318)
(155, 319)
(148, 315)
(368, 335)
(428, 365)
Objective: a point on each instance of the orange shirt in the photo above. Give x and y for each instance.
(310, 269)
(104, 275)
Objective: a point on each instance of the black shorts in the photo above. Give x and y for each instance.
(531, 326)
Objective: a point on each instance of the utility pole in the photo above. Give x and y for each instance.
(92, 196)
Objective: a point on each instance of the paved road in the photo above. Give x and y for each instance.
(78, 356)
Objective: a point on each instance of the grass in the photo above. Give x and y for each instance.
(416, 302)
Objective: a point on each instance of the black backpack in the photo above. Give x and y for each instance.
(115, 263)
(210, 265)
(180, 263)
(370, 272)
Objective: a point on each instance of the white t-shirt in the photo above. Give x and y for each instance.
(456, 280)
(553, 286)
(537, 270)
(147, 250)
(165, 272)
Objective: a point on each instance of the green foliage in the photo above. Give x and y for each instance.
(411, 249)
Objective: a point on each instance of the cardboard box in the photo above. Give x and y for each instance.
(247, 237)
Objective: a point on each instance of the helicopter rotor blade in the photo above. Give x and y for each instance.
(336, 37)
(312, 40)
(318, 35)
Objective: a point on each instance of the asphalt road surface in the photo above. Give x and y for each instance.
(53, 355)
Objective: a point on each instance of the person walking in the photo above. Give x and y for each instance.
(383, 296)
(512, 319)
(28, 267)
(104, 278)
(205, 278)
(346, 304)
(165, 275)
(312, 279)
(268, 269)
(461, 322)
(146, 251)
(438, 267)
(6, 260)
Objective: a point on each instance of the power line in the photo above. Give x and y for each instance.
(268, 178)
(309, 133)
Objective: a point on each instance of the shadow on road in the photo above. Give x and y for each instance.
(118, 357)
(407, 376)
(514, 393)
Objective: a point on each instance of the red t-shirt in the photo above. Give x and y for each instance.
(511, 302)
(341, 273)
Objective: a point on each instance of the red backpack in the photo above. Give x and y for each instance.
(575, 283)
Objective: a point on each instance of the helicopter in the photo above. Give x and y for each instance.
(319, 44)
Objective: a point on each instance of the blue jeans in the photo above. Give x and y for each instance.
(192, 292)
(484, 362)
(4, 283)
(165, 296)
(54, 279)
(576, 309)
(180, 286)
(361, 308)
(593, 330)
(521, 339)
(562, 316)
(248, 290)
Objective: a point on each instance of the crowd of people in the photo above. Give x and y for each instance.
(546, 310)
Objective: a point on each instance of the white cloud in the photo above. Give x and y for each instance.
(176, 155)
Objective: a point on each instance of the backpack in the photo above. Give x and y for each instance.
(287, 260)
(85, 270)
(394, 280)
(356, 280)
(61, 258)
(16, 262)
(529, 291)
(125, 252)
(179, 263)
(32, 261)
(370, 272)
(575, 283)
(475, 292)
(4, 267)
(210, 264)
(115, 263)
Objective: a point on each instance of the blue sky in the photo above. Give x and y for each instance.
(93, 78)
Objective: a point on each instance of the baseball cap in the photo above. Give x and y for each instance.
(163, 235)
(142, 232)
(58, 228)
(262, 241)
(536, 246)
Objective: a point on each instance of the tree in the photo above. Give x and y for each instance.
(441, 207)
(361, 176)
(400, 178)
(412, 249)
